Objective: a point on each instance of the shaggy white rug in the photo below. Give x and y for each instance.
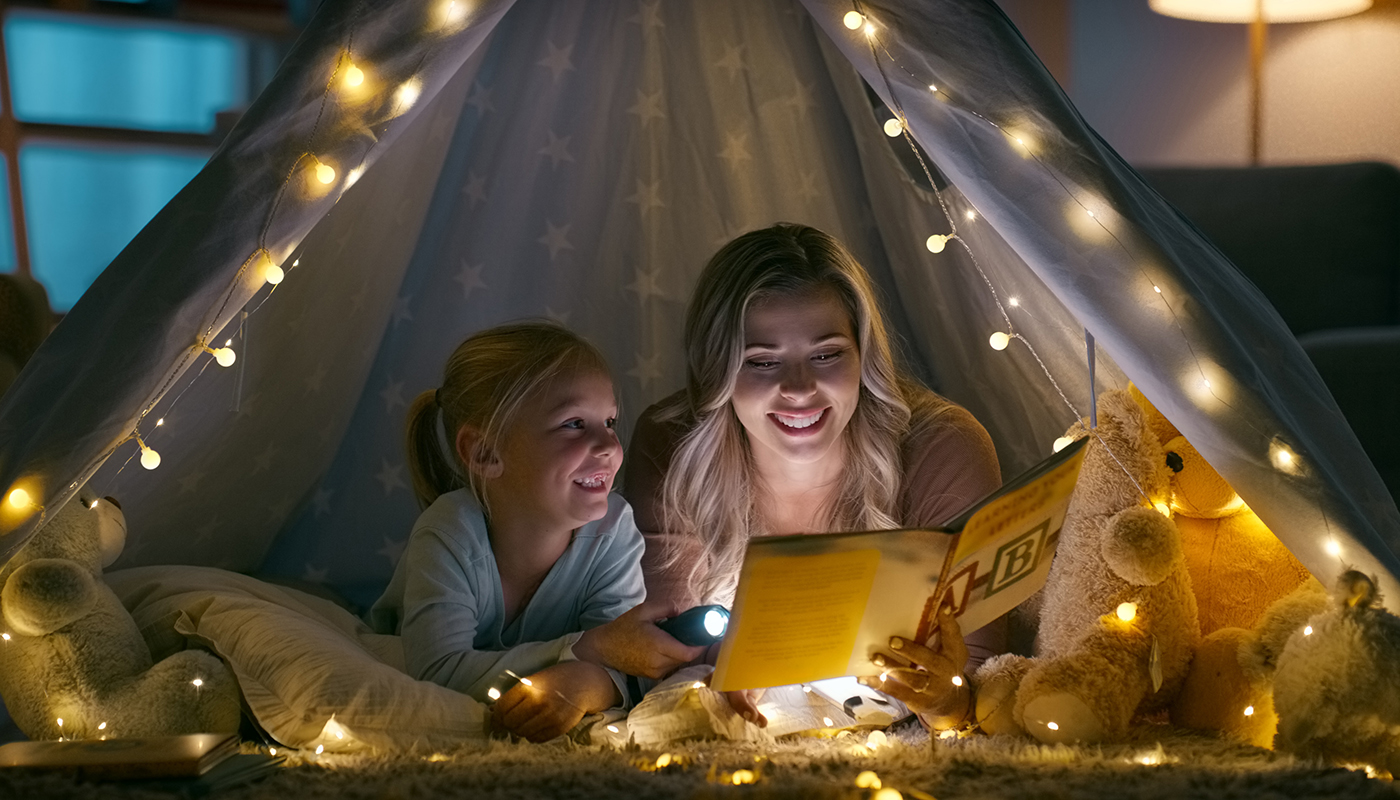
(1159, 763)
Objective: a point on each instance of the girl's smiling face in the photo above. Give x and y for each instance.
(799, 383)
(557, 461)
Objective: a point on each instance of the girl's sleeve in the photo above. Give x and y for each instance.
(442, 608)
(668, 558)
(615, 587)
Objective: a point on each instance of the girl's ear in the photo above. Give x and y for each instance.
(475, 455)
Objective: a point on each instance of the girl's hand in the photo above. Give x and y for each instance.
(745, 701)
(634, 645)
(929, 680)
(554, 700)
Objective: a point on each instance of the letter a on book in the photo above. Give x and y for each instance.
(814, 607)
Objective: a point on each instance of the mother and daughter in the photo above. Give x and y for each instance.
(795, 418)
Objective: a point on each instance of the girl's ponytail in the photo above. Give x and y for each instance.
(432, 469)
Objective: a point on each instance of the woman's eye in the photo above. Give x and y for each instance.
(829, 356)
(761, 363)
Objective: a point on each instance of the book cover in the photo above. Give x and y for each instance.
(814, 607)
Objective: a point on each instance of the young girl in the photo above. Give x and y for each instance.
(523, 559)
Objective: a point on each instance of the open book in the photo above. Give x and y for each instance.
(815, 607)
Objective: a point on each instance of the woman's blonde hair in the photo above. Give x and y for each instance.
(484, 383)
(709, 489)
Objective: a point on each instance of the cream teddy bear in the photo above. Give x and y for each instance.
(73, 664)
(1118, 620)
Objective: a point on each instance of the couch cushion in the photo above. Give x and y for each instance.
(1361, 367)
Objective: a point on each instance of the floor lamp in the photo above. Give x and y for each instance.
(1258, 14)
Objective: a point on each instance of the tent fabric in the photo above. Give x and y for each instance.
(581, 161)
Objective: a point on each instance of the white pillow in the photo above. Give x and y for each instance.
(299, 660)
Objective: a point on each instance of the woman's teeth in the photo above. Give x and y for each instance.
(595, 482)
(800, 422)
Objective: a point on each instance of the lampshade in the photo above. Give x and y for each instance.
(1243, 10)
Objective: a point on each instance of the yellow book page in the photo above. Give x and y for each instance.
(1006, 513)
(798, 620)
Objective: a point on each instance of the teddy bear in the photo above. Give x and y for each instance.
(73, 664)
(1336, 685)
(1118, 620)
(1239, 569)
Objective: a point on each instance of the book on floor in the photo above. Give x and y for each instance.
(152, 757)
(813, 607)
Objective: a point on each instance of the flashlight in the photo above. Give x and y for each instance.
(702, 625)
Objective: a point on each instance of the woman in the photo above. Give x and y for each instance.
(796, 419)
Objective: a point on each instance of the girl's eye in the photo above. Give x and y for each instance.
(577, 424)
(612, 422)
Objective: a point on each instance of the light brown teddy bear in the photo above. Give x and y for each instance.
(1118, 619)
(1238, 568)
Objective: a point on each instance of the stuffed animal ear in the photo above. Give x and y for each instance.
(476, 455)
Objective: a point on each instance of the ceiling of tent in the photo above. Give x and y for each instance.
(582, 163)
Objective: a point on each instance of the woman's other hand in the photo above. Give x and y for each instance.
(634, 645)
(928, 679)
(551, 702)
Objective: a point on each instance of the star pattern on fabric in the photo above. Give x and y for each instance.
(557, 150)
(646, 369)
(480, 99)
(561, 317)
(401, 311)
(189, 482)
(392, 395)
(733, 61)
(263, 461)
(205, 533)
(736, 148)
(393, 549)
(647, 196)
(316, 378)
(470, 278)
(801, 99)
(555, 238)
(475, 190)
(390, 476)
(648, 16)
(321, 501)
(647, 107)
(645, 285)
(314, 574)
(557, 61)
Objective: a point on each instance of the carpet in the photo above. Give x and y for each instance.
(1158, 763)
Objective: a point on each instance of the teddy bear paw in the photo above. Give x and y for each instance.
(1061, 717)
(47, 594)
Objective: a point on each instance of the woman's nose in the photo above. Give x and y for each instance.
(796, 380)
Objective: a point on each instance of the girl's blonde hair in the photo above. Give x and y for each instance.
(709, 489)
(484, 383)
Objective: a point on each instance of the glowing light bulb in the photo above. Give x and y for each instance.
(853, 19)
(197, 682)
(612, 729)
(948, 734)
(320, 748)
(1157, 289)
(5, 636)
(876, 739)
(1333, 547)
(526, 681)
(19, 498)
(102, 727)
(493, 693)
(884, 676)
(957, 680)
(150, 459)
(893, 127)
(887, 794)
(827, 722)
(999, 340)
(1054, 726)
(159, 423)
(698, 685)
(1090, 213)
(272, 751)
(1307, 631)
(60, 722)
(971, 215)
(1249, 711)
(937, 242)
(1014, 302)
(1127, 611)
(407, 94)
(1205, 382)
(272, 273)
(806, 689)
(1285, 457)
(868, 780)
(869, 29)
(354, 76)
(1162, 508)
(663, 760)
(325, 173)
(933, 88)
(225, 356)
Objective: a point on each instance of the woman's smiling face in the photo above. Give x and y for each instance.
(799, 382)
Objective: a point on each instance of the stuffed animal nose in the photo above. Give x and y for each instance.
(1174, 462)
(113, 501)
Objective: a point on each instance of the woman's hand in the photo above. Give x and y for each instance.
(551, 702)
(634, 645)
(929, 680)
(745, 701)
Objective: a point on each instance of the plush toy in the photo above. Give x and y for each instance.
(73, 664)
(1118, 620)
(1238, 569)
(1336, 684)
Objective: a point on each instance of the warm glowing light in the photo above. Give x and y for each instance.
(320, 748)
(1307, 631)
(493, 693)
(867, 780)
(102, 727)
(150, 459)
(948, 734)
(5, 636)
(937, 242)
(1014, 302)
(612, 729)
(1249, 711)
(853, 19)
(827, 722)
(354, 76)
(999, 340)
(933, 88)
(19, 498)
(876, 740)
(1127, 611)
(1157, 289)
(1061, 443)
(60, 722)
(663, 760)
(893, 127)
(971, 215)
(1333, 547)
(1162, 508)
(1205, 382)
(698, 685)
(197, 682)
(1090, 213)
(272, 751)
(272, 273)
(869, 29)
(1283, 457)
(159, 423)
(806, 688)
(351, 178)
(957, 680)
(1054, 726)
(887, 794)
(526, 681)
(325, 173)
(884, 676)
(225, 356)
(407, 94)
(742, 776)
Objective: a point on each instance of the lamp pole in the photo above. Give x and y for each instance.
(1258, 39)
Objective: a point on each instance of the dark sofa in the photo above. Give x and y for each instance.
(1323, 244)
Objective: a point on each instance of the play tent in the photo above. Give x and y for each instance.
(420, 169)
